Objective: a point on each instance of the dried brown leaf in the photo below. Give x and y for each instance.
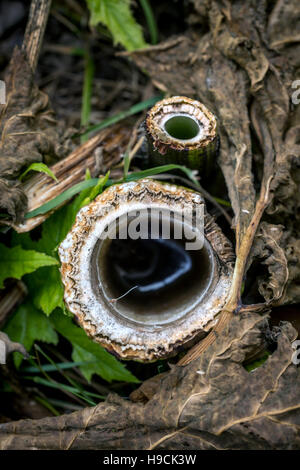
(213, 403)
(29, 133)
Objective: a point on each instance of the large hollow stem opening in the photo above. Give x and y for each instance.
(182, 127)
(152, 280)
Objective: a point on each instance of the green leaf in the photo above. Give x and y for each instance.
(60, 386)
(29, 325)
(15, 262)
(45, 286)
(42, 168)
(117, 17)
(87, 90)
(161, 169)
(136, 108)
(90, 194)
(79, 354)
(57, 201)
(84, 349)
(46, 289)
(152, 26)
(53, 367)
(126, 164)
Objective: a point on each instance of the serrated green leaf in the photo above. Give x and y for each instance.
(84, 349)
(41, 168)
(46, 289)
(80, 355)
(15, 262)
(29, 325)
(117, 17)
(56, 227)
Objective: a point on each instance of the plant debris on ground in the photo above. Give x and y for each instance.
(239, 387)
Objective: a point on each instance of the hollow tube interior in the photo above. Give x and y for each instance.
(161, 279)
(182, 127)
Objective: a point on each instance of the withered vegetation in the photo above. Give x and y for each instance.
(240, 59)
(213, 403)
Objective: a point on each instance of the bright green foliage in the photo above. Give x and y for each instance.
(104, 364)
(136, 108)
(56, 227)
(117, 17)
(15, 262)
(46, 291)
(84, 187)
(40, 167)
(45, 286)
(152, 26)
(89, 195)
(29, 325)
(258, 362)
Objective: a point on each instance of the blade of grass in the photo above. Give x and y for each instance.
(57, 201)
(66, 377)
(127, 156)
(47, 405)
(59, 386)
(54, 384)
(73, 389)
(40, 167)
(52, 368)
(136, 108)
(161, 169)
(48, 378)
(77, 374)
(64, 404)
(59, 370)
(87, 92)
(222, 202)
(126, 163)
(96, 190)
(74, 396)
(150, 20)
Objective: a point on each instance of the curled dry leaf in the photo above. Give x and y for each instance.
(29, 133)
(241, 65)
(187, 409)
(274, 249)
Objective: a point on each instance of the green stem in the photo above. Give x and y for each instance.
(87, 92)
(136, 108)
(77, 188)
(47, 405)
(150, 20)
